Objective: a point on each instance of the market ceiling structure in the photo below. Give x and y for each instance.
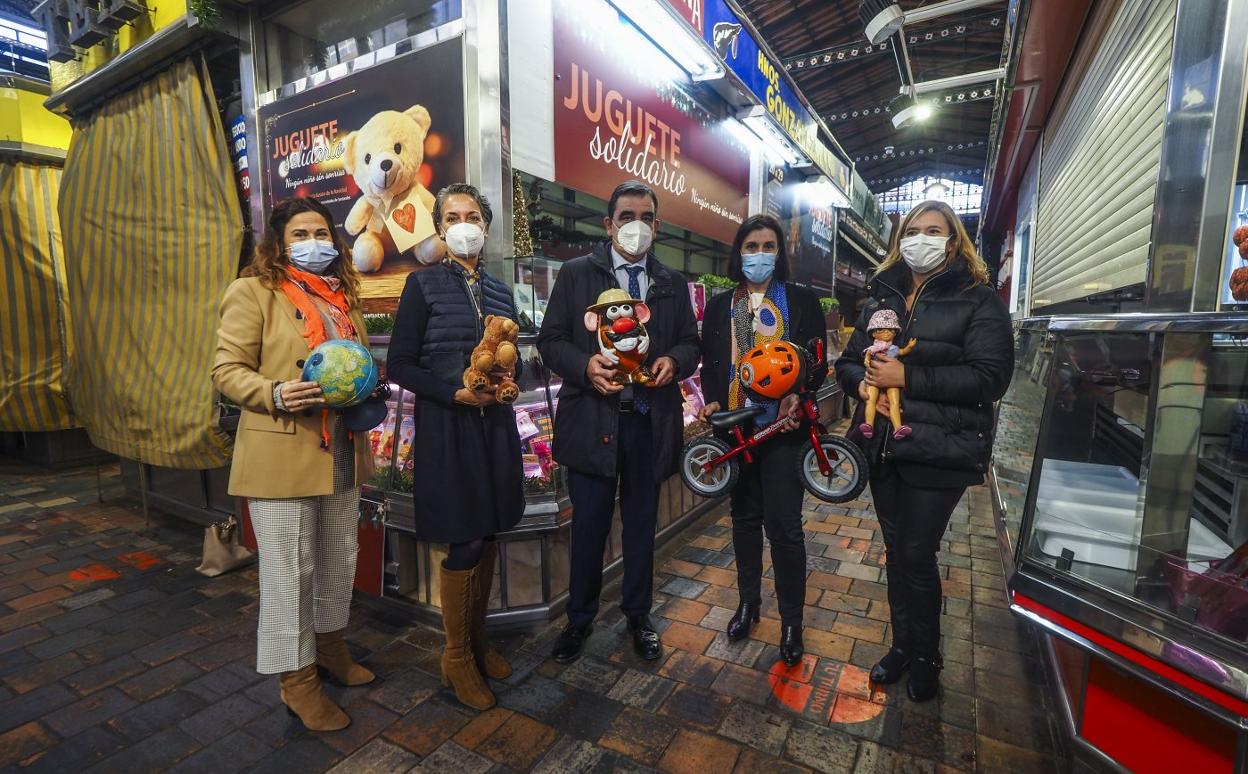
(852, 84)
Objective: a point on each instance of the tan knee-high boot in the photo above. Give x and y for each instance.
(304, 696)
(489, 661)
(459, 667)
(333, 656)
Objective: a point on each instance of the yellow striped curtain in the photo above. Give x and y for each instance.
(153, 230)
(34, 346)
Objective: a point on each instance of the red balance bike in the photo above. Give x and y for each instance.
(832, 468)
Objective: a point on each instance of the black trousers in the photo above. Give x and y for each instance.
(913, 520)
(768, 496)
(593, 506)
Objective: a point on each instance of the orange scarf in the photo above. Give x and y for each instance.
(300, 286)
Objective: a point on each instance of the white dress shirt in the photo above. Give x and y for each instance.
(618, 262)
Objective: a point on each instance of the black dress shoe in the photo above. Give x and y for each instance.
(924, 680)
(791, 649)
(743, 621)
(569, 645)
(645, 639)
(890, 668)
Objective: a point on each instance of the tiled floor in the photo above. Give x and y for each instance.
(116, 656)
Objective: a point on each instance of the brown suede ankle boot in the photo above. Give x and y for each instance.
(332, 655)
(305, 697)
(459, 667)
(489, 661)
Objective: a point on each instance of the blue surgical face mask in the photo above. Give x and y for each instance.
(314, 255)
(758, 267)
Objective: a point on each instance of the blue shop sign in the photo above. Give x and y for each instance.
(734, 44)
(762, 76)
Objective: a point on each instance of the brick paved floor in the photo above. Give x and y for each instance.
(116, 656)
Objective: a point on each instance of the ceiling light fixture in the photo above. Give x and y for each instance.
(937, 190)
(881, 18)
(656, 22)
(907, 110)
(753, 124)
(820, 192)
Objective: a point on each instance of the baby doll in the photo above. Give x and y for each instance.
(884, 327)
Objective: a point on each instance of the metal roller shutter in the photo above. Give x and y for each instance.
(1100, 165)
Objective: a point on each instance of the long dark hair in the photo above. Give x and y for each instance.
(753, 223)
(269, 262)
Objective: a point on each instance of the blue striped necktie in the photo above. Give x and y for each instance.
(641, 401)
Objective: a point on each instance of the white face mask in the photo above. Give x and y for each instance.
(314, 255)
(634, 237)
(923, 252)
(465, 240)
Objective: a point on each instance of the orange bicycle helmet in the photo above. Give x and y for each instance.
(774, 369)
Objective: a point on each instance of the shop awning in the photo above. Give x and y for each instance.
(34, 343)
(153, 230)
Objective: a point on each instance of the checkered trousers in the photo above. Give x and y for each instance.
(307, 565)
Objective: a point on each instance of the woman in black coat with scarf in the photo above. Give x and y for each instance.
(938, 287)
(769, 493)
(468, 477)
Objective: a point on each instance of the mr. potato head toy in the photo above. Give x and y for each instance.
(620, 324)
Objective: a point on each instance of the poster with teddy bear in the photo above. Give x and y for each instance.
(374, 147)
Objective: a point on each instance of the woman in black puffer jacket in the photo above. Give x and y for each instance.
(938, 287)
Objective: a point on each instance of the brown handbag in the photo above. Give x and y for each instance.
(223, 549)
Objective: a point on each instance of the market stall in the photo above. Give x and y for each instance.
(322, 103)
(36, 419)
(1119, 468)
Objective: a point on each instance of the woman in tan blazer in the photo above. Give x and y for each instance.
(299, 469)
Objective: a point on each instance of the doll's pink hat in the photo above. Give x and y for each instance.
(885, 318)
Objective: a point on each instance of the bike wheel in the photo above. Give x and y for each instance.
(849, 470)
(716, 482)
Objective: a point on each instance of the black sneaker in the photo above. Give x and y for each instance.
(890, 668)
(570, 643)
(924, 681)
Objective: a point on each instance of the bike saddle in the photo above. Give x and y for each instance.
(728, 419)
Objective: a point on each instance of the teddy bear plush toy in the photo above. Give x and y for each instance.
(384, 158)
(493, 360)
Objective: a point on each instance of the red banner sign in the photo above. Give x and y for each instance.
(612, 125)
(690, 11)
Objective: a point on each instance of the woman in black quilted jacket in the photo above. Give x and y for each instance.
(939, 289)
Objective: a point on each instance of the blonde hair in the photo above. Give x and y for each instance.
(269, 261)
(961, 246)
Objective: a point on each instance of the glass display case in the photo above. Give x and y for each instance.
(1018, 428)
(1121, 471)
(532, 281)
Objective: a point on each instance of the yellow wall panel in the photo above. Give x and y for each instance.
(23, 118)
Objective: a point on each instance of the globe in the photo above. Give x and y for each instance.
(344, 369)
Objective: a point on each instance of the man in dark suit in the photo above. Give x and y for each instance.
(614, 438)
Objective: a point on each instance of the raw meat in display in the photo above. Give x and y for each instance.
(1239, 284)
